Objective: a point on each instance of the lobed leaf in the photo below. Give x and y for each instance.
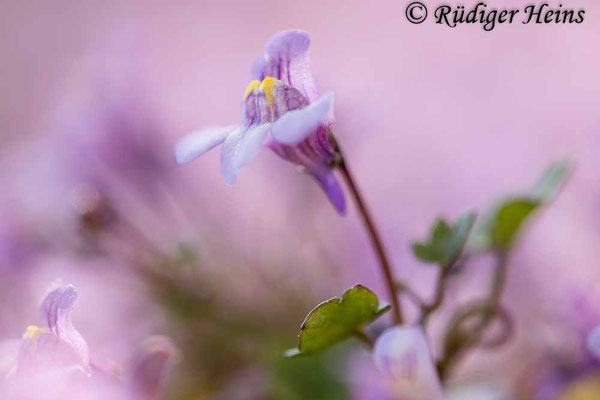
(445, 242)
(338, 318)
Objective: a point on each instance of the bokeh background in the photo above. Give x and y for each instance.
(434, 121)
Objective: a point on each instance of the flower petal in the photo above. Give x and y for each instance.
(286, 58)
(41, 352)
(403, 356)
(294, 126)
(593, 342)
(151, 367)
(481, 391)
(332, 188)
(9, 350)
(199, 142)
(56, 310)
(239, 148)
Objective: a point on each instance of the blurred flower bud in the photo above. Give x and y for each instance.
(402, 355)
(150, 367)
(593, 342)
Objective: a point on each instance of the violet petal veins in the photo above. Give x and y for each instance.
(56, 309)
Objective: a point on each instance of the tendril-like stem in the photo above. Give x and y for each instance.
(486, 312)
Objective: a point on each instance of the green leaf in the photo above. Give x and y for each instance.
(502, 224)
(336, 319)
(509, 218)
(445, 242)
(316, 377)
(552, 180)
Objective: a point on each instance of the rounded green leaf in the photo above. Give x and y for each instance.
(338, 318)
(509, 218)
(502, 224)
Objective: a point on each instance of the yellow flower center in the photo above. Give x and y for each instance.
(32, 332)
(267, 86)
(253, 85)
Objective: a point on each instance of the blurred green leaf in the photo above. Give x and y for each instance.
(509, 218)
(185, 254)
(336, 319)
(316, 377)
(552, 180)
(445, 242)
(499, 229)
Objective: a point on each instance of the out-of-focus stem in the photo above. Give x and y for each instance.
(411, 294)
(364, 337)
(487, 312)
(499, 279)
(440, 291)
(375, 238)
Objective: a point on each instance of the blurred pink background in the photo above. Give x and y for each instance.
(434, 121)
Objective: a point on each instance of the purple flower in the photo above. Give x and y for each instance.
(18, 243)
(111, 132)
(56, 310)
(53, 361)
(151, 366)
(57, 345)
(281, 110)
(477, 391)
(570, 354)
(593, 342)
(403, 357)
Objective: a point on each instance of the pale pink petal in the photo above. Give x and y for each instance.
(239, 148)
(403, 356)
(199, 142)
(295, 126)
(151, 366)
(593, 342)
(56, 310)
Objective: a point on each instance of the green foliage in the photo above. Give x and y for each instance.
(508, 218)
(552, 180)
(316, 377)
(445, 242)
(502, 224)
(336, 319)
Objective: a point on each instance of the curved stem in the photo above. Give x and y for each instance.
(488, 311)
(375, 238)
